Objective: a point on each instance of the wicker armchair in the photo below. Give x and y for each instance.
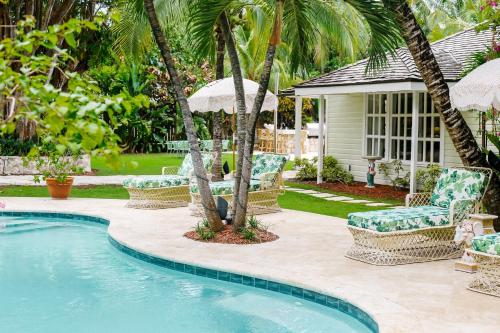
(425, 229)
(265, 186)
(485, 251)
(169, 190)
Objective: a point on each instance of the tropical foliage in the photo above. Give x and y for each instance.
(69, 121)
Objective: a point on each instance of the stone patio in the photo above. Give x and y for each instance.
(428, 297)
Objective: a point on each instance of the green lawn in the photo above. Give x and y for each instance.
(100, 192)
(307, 203)
(148, 164)
(290, 200)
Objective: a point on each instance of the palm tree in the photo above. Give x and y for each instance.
(201, 175)
(460, 133)
(297, 19)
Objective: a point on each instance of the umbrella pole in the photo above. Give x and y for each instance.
(234, 137)
(483, 130)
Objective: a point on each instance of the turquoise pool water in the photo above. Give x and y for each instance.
(58, 275)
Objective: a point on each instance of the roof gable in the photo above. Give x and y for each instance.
(451, 53)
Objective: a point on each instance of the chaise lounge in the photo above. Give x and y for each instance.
(168, 190)
(486, 253)
(265, 186)
(425, 229)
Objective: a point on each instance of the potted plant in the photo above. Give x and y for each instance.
(55, 169)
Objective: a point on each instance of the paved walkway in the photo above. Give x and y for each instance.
(427, 297)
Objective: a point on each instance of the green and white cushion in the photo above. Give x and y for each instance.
(267, 163)
(457, 184)
(187, 165)
(225, 187)
(145, 182)
(487, 243)
(400, 219)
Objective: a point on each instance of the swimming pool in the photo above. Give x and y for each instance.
(58, 274)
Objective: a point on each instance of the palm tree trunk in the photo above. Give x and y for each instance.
(217, 123)
(240, 104)
(275, 39)
(461, 135)
(201, 175)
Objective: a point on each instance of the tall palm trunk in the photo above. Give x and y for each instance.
(217, 123)
(240, 104)
(275, 39)
(201, 175)
(461, 135)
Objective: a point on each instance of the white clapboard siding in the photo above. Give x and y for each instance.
(345, 119)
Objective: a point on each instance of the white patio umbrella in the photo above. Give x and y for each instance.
(221, 95)
(479, 90)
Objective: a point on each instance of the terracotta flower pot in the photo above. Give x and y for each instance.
(59, 190)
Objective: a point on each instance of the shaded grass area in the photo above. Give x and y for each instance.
(149, 164)
(320, 189)
(98, 192)
(290, 200)
(307, 203)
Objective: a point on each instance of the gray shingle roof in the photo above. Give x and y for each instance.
(451, 53)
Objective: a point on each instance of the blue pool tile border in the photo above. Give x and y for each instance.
(71, 216)
(305, 294)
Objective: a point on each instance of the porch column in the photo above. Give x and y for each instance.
(321, 144)
(414, 143)
(298, 127)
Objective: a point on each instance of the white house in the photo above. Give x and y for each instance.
(376, 114)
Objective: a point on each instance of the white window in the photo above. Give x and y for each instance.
(429, 131)
(394, 143)
(376, 119)
(401, 126)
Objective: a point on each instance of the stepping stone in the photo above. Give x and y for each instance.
(338, 199)
(310, 192)
(293, 189)
(323, 195)
(377, 204)
(358, 201)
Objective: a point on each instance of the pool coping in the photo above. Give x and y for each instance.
(267, 284)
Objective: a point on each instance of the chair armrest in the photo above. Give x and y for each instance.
(418, 199)
(460, 210)
(170, 170)
(269, 180)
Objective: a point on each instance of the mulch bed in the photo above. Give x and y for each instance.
(358, 188)
(227, 236)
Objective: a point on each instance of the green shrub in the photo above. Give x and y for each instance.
(427, 177)
(332, 171)
(307, 169)
(248, 234)
(400, 179)
(203, 230)
(11, 146)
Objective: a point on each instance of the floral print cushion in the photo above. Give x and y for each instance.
(187, 165)
(487, 243)
(457, 184)
(265, 163)
(156, 181)
(225, 187)
(400, 219)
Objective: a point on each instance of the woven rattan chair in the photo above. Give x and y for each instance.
(265, 186)
(171, 189)
(425, 229)
(486, 253)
